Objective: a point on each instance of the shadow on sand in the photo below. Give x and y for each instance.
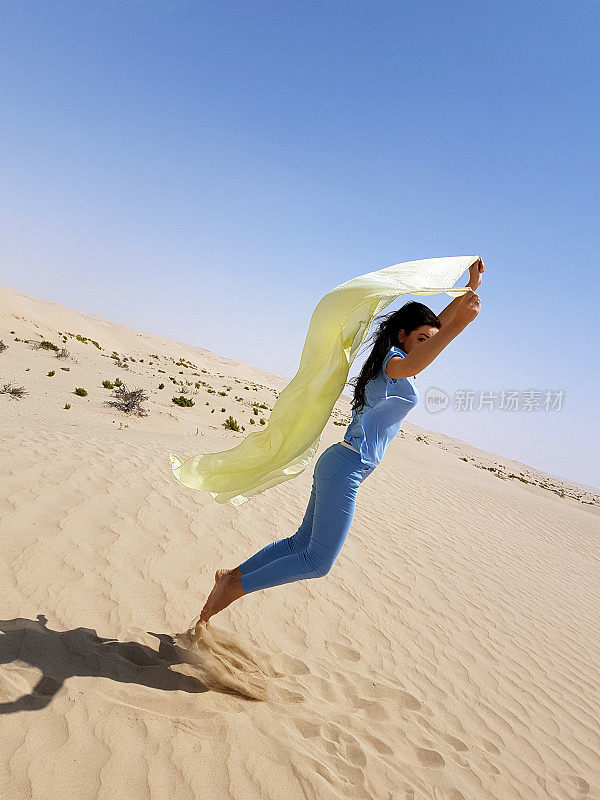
(81, 652)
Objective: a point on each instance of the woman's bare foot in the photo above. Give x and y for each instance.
(228, 587)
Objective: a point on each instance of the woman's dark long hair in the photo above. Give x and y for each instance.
(409, 317)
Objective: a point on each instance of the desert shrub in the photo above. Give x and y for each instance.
(262, 421)
(51, 373)
(108, 385)
(118, 382)
(13, 391)
(183, 390)
(2, 346)
(44, 345)
(85, 340)
(183, 401)
(80, 391)
(231, 423)
(67, 406)
(122, 363)
(129, 401)
(62, 353)
(161, 386)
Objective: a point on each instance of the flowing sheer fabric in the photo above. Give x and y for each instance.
(339, 325)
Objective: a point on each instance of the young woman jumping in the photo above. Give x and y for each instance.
(406, 342)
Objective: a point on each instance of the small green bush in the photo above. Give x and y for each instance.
(108, 385)
(183, 401)
(67, 406)
(161, 386)
(48, 346)
(231, 423)
(118, 382)
(80, 391)
(51, 373)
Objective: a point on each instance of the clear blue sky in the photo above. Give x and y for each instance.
(208, 171)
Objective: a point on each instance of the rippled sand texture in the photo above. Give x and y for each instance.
(452, 652)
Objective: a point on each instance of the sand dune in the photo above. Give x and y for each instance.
(452, 652)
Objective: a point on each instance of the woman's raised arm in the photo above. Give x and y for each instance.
(476, 271)
(423, 353)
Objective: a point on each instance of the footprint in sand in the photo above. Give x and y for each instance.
(562, 784)
(430, 758)
(338, 650)
(456, 743)
(307, 728)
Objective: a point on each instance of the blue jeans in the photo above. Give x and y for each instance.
(311, 551)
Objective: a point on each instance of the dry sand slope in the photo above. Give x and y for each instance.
(452, 652)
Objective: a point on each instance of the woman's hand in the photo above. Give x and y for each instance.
(467, 309)
(476, 271)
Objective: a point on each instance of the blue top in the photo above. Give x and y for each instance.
(387, 402)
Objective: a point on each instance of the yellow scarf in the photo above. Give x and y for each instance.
(339, 325)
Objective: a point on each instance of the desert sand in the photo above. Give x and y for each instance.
(451, 653)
